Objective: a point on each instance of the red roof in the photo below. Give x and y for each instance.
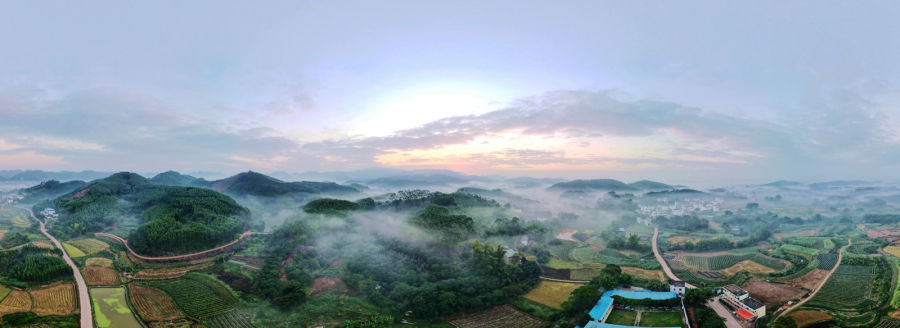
(743, 313)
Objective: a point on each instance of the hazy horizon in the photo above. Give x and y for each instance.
(701, 93)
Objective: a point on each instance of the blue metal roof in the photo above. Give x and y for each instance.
(595, 324)
(606, 300)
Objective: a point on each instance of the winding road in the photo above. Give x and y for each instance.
(714, 304)
(175, 257)
(84, 299)
(819, 287)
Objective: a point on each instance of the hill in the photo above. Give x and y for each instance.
(596, 184)
(650, 185)
(256, 184)
(676, 192)
(783, 184)
(172, 178)
(38, 175)
(172, 219)
(50, 189)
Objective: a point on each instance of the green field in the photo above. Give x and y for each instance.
(849, 285)
(72, 250)
(777, 265)
(198, 296)
(111, 309)
(801, 250)
(827, 260)
(621, 317)
(714, 262)
(661, 319)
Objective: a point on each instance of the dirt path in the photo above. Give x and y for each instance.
(562, 280)
(174, 257)
(840, 256)
(84, 299)
(717, 306)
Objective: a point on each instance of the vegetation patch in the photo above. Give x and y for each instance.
(797, 249)
(197, 296)
(503, 316)
(773, 263)
(153, 304)
(645, 274)
(621, 317)
(111, 309)
(552, 293)
(849, 285)
(827, 261)
(715, 262)
(238, 319)
(661, 319)
(99, 262)
(56, 299)
(73, 251)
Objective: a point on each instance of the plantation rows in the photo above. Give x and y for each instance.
(797, 249)
(849, 285)
(231, 319)
(632, 262)
(714, 263)
(888, 323)
(827, 261)
(774, 264)
(197, 297)
(500, 316)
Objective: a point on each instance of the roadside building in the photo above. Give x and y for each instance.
(748, 308)
(677, 287)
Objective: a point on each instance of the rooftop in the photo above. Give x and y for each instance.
(734, 289)
(677, 283)
(752, 303)
(746, 315)
(606, 300)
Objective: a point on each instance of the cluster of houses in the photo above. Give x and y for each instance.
(748, 308)
(9, 199)
(666, 207)
(49, 213)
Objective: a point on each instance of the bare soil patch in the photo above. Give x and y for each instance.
(807, 233)
(645, 274)
(749, 266)
(678, 240)
(807, 317)
(324, 284)
(810, 280)
(567, 234)
(771, 293)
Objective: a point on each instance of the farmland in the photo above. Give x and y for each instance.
(111, 308)
(645, 274)
(233, 319)
(776, 264)
(100, 276)
(72, 250)
(58, 299)
(551, 293)
(153, 304)
(800, 250)
(197, 296)
(99, 262)
(773, 293)
(504, 316)
(16, 301)
(749, 266)
(827, 260)
(849, 285)
(89, 246)
(713, 262)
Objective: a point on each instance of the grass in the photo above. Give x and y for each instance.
(801, 250)
(621, 317)
(89, 246)
(73, 251)
(4, 291)
(551, 293)
(661, 319)
(99, 261)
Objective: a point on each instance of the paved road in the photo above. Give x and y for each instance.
(819, 287)
(563, 280)
(174, 257)
(84, 299)
(717, 306)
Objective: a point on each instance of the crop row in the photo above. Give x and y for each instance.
(232, 319)
(715, 262)
(797, 249)
(827, 260)
(197, 298)
(769, 262)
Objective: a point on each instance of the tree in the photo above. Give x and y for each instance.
(698, 296)
(784, 322)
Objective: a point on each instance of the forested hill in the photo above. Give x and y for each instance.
(172, 178)
(50, 189)
(171, 219)
(256, 184)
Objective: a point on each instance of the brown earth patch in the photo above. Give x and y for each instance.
(810, 280)
(807, 233)
(17, 301)
(323, 284)
(645, 274)
(80, 193)
(567, 234)
(100, 276)
(749, 266)
(679, 240)
(771, 293)
(807, 317)
(153, 304)
(55, 299)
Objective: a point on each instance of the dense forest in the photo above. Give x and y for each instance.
(32, 264)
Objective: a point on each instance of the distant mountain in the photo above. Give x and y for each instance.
(38, 175)
(172, 178)
(650, 185)
(496, 194)
(257, 184)
(528, 182)
(596, 184)
(418, 181)
(837, 184)
(676, 192)
(783, 184)
(50, 189)
(8, 173)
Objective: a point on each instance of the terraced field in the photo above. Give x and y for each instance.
(197, 296)
(233, 319)
(504, 316)
(101, 276)
(153, 304)
(16, 301)
(58, 299)
(99, 262)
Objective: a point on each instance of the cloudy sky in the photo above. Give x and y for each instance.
(674, 91)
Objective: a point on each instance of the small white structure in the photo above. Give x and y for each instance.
(677, 287)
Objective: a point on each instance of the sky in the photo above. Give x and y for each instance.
(732, 91)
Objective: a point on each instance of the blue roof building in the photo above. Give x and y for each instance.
(604, 306)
